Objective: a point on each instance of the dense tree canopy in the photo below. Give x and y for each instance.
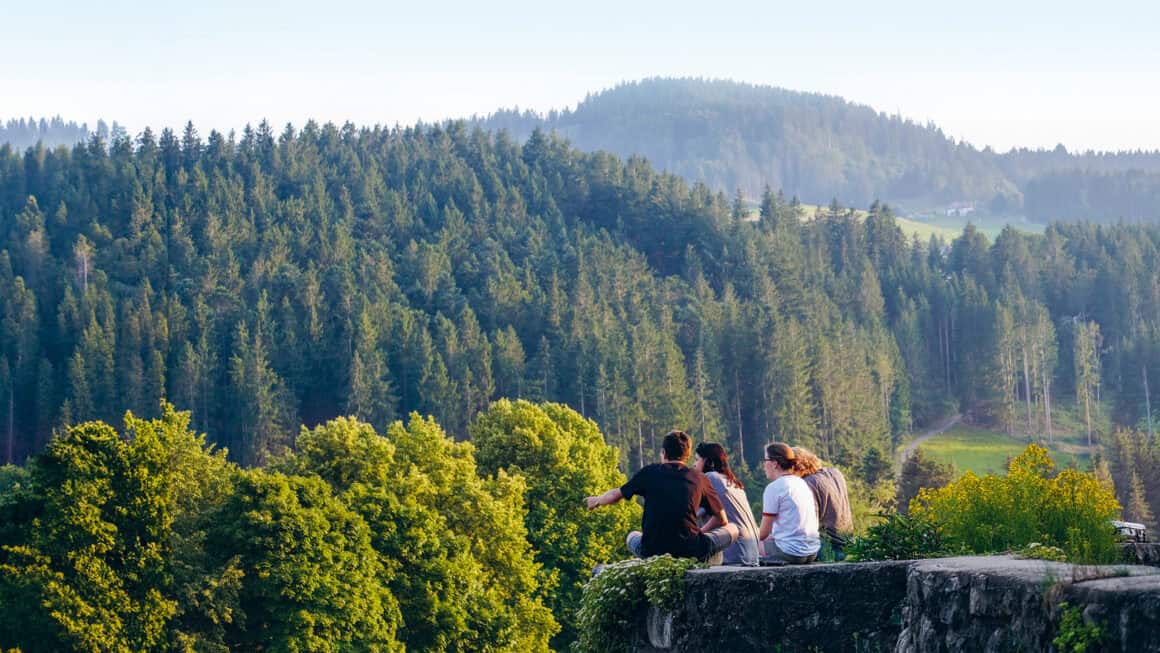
(273, 281)
(565, 459)
(270, 281)
(149, 540)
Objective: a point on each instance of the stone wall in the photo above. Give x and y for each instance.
(991, 604)
(1000, 604)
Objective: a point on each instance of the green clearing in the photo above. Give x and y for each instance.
(990, 226)
(924, 230)
(912, 228)
(987, 452)
(924, 226)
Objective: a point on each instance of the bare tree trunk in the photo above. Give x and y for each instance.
(740, 428)
(640, 441)
(1027, 386)
(1047, 406)
(701, 403)
(8, 450)
(1010, 390)
(945, 341)
(1147, 401)
(1087, 413)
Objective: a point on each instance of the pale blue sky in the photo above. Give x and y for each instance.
(995, 73)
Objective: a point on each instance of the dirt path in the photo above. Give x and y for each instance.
(908, 450)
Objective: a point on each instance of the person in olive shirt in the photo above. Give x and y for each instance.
(673, 492)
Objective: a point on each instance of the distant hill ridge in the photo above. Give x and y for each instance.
(733, 135)
(737, 136)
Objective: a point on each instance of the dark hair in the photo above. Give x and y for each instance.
(714, 456)
(782, 455)
(676, 446)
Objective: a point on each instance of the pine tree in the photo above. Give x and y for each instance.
(371, 396)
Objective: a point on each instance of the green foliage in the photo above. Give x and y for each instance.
(310, 579)
(563, 459)
(1032, 503)
(868, 503)
(93, 538)
(452, 546)
(919, 472)
(899, 537)
(281, 279)
(356, 542)
(12, 478)
(1076, 636)
(613, 599)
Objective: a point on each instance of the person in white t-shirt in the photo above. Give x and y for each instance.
(789, 517)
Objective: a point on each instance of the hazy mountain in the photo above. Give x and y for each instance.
(731, 136)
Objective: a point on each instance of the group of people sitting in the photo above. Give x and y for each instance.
(703, 512)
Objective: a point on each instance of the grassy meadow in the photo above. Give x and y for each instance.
(988, 452)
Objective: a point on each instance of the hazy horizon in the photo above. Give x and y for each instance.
(1001, 75)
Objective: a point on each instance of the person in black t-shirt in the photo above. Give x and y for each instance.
(673, 492)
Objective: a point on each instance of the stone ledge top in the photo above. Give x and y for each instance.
(834, 567)
(1008, 566)
(1142, 584)
(1030, 568)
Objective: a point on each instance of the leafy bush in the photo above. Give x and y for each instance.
(900, 537)
(1074, 635)
(1071, 510)
(612, 600)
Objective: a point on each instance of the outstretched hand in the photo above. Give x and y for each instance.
(592, 502)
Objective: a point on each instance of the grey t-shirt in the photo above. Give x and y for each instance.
(833, 502)
(744, 551)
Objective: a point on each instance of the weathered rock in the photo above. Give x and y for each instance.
(998, 604)
(835, 607)
(989, 604)
(1127, 607)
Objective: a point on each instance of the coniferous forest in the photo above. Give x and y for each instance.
(267, 281)
(272, 280)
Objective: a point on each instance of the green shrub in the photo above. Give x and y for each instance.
(612, 600)
(900, 537)
(1032, 503)
(1074, 635)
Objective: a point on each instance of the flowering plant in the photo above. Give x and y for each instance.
(613, 598)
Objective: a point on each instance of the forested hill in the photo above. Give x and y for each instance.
(286, 279)
(731, 136)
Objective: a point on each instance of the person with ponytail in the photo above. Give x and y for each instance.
(831, 498)
(709, 459)
(789, 518)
